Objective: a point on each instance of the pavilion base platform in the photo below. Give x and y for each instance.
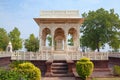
(61, 63)
(64, 68)
(47, 63)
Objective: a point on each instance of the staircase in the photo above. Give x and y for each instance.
(59, 69)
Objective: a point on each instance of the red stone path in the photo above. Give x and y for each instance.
(100, 74)
(58, 78)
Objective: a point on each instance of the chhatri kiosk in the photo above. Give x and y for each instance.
(59, 58)
(59, 25)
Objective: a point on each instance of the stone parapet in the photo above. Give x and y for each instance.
(60, 14)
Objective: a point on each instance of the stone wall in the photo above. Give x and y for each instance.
(40, 64)
(99, 63)
(5, 61)
(114, 61)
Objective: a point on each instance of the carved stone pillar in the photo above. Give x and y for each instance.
(66, 40)
(40, 39)
(70, 67)
(66, 34)
(48, 64)
(79, 35)
(52, 34)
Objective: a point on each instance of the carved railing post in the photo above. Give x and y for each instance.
(48, 64)
(70, 66)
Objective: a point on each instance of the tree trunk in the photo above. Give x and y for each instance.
(98, 49)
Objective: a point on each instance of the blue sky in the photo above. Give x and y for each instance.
(20, 13)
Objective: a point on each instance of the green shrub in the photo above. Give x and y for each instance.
(116, 70)
(84, 67)
(15, 64)
(9, 75)
(29, 71)
(20, 70)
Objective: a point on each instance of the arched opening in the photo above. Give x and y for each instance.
(46, 36)
(59, 39)
(72, 35)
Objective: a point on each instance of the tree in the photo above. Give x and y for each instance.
(15, 39)
(49, 38)
(100, 27)
(32, 44)
(82, 44)
(4, 39)
(70, 41)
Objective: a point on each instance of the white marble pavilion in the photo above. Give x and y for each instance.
(59, 25)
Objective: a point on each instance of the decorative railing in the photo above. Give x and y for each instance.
(114, 54)
(72, 48)
(92, 55)
(5, 54)
(46, 48)
(97, 55)
(30, 56)
(59, 55)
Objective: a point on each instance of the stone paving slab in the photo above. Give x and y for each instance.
(58, 78)
(102, 74)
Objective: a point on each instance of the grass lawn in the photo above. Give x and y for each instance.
(106, 78)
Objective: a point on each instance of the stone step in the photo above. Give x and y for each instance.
(59, 68)
(60, 75)
(59, 71)
(59, 64)
(59, 61)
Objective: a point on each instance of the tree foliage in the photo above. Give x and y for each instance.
(100, 27)
(20, 70)
(9, 75)
(29, 70)
(32, 43)
(70, 41)
(4, 39)
(14, 36)
(49, 38)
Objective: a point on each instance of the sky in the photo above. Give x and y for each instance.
(20, 13)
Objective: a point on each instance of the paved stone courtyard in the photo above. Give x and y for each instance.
(99, 74)
(58, 78)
